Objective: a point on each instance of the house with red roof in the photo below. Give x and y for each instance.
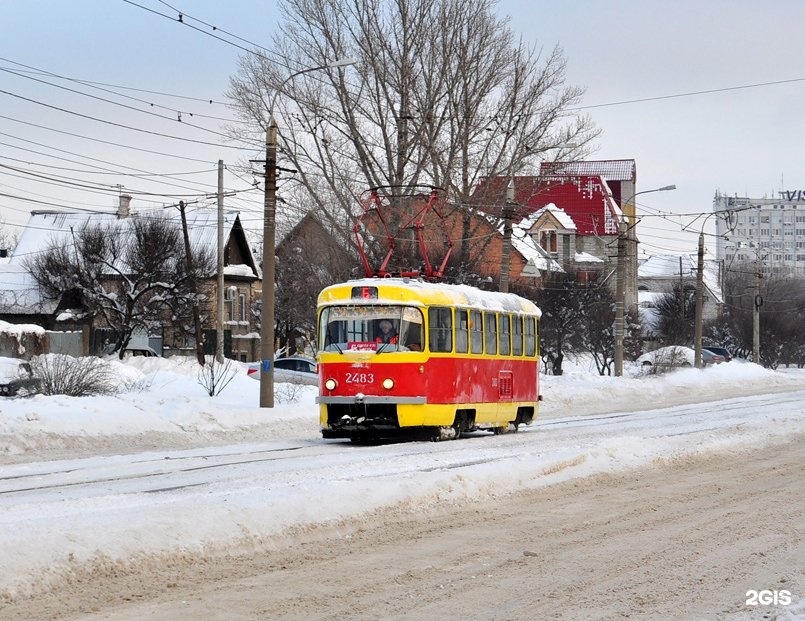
(571, 212)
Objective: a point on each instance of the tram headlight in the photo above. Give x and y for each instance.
(388, 383)
(330, 384)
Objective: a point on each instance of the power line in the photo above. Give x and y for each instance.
(109, 142)
(121, 125)
(100, 86)
(688, 94)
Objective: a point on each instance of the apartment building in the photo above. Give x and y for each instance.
(771, 230)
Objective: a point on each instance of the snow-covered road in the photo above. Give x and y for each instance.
(58, 515)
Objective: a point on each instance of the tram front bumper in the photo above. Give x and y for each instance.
(365, 413)
(370, 400)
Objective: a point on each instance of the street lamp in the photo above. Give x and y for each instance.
(269, 242)
(623, 233)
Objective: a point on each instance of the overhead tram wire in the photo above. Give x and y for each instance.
(106, 170)
(121, 125)
(180, 19)
(109, 142)
(144, 176)
(281, 62)
(90, 186)
(90, 84)
(100, 170)
(171, 119)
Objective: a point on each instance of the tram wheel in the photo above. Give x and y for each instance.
(445, 433)
(510, 428)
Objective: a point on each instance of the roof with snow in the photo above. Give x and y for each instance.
(564, 220)
(21, 295)
(45, 228)
(586, 199)
(609, 170)
(667, 268)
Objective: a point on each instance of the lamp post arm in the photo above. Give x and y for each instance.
(337, 63)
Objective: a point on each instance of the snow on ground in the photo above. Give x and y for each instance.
(168, 470)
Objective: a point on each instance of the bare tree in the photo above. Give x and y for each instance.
(442, 94)
(8, 238)
(562, 324)
(598, 336)
(781, 313)
(131, 274)
(302, 272)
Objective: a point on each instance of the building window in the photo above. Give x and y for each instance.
(547, 240)
(242, 307)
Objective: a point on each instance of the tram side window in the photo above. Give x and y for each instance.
(462, 331)
(491, 333)
(530, 337)
(505, 343)
(441, 329)
(517, 335)
(476, 332)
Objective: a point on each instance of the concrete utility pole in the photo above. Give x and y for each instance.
(697, 351)
(620, 292)
(681, 291)
(219, 324)
(758, 302)
(619, 299)
(269, 243)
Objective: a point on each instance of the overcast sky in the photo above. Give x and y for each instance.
(668, 85)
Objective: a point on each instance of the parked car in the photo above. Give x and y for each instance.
(146, 351)
(17, 378)
(293, 369)
(677, 356)
(721, 351)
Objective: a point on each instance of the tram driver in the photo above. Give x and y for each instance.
(387, 332)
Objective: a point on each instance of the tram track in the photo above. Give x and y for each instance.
(137, 474)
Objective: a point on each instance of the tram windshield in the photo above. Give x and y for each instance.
(371, 327)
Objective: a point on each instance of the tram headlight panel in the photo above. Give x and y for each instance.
(388, 383)
(330, 384)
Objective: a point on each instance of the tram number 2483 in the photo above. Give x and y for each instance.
(360, 378)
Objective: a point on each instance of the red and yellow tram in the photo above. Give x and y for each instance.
(455, 359)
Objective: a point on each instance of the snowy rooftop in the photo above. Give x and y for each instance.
(667, 267)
